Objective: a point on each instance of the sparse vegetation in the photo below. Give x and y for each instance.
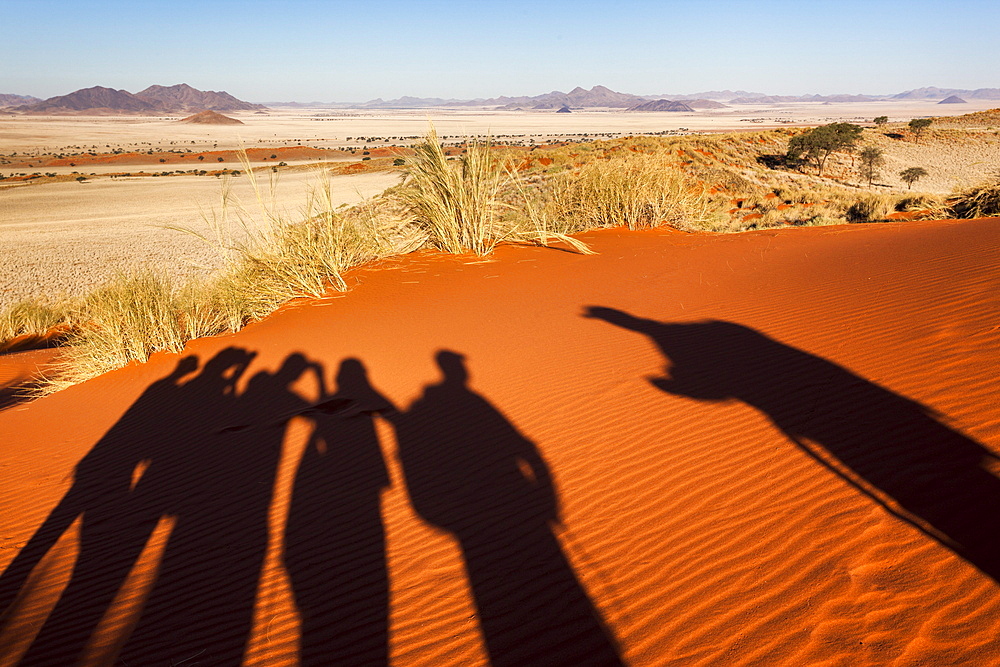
(911, 175)
(819, 143)
(870, 208)
(981, 201)
(919, 125)
(880, 120)
(33, 317)
(871, 159)
(469, 198)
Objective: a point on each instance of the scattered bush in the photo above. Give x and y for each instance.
(911, 175)
(870, 162)
(819, 143)
(919, 125)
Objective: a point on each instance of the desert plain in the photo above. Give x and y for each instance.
(68, 236)
(775, 447)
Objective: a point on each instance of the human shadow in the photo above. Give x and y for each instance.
(218, 480)
(193, 451)
(893, 449)
(334, 539)
(470, 472)
(112, 532)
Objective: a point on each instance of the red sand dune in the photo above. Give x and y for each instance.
(772, 448)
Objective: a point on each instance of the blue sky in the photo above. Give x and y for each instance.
(310, 50)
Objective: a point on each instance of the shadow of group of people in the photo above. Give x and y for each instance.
(194, 449)
(197, 451)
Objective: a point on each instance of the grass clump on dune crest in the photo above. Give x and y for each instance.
(124, 320)
(981, 201)
(637, 192)
(459, 200)
(473, 202)
(33, 317)
(135, 315)
(871, 208)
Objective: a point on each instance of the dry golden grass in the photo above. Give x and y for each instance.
(469, 203)
(981, 201)
(630, 190)
(33, 317)
(459, 202)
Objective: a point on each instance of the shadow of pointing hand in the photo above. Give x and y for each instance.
(889, 447)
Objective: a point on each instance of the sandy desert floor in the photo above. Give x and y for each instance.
(69, 237)
(771, 448)
(332, 127)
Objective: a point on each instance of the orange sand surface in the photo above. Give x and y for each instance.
(772, 448)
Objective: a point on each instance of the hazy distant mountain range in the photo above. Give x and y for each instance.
(933, 93)
(180, 98)
(14, 100)
(600, 96)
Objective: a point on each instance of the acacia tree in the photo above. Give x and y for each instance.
(911, 175)
(871, 159)
(817, 144)
(880, 120)
(918, 125)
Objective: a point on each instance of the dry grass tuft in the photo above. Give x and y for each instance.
(458, 201)
(871, 208)
(635, 191)
(981, 201)
(33, 317)
(123, 321)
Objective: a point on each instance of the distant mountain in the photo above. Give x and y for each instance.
(311, 105)
(94, 100)
(780, 99)
(953, 99)
(154, 100)
(705, 104)
(661, 105)
(407, 102)
(709, 95)
(183, 97)
(601, 96)
(7, 100)
(598, 96)
(935, 93)
(210, 118)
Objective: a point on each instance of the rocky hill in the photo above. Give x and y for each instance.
(96, 99)
(598, 96)
(953, 99)
(154, 100)
(211, 118)
(661, 105)
(183, 97)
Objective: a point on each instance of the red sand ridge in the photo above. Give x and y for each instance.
(772, 448)
(211, 118)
